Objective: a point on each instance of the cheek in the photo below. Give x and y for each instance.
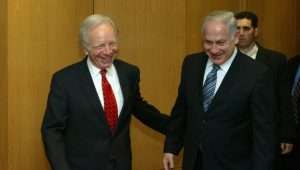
(208, 48)
(97, 53)
(115, 50)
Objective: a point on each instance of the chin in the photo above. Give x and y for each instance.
(218, 61)
(107, 65)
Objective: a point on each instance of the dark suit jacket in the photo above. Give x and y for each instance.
(277, 62)
(293, 64)
(75, 132)
(237, 131)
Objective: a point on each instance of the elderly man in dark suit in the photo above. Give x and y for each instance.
(247, 25)
(223, 115)
(86, 123)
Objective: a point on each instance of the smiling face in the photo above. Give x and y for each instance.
(218, 43)
(247, 33)
(102, 46)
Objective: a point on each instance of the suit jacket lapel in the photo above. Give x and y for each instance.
(124, 83)
(90, 92)
(197, 75)
(230, 78)
(262, 56)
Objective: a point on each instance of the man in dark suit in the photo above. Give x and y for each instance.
(223, 115)
(86, 123)
(247, 25)
(294, 81)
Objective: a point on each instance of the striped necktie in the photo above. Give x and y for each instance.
(209, 86)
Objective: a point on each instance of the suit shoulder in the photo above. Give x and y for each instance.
(274, 54)
(252, 65)
(125, 65)
(191, 58)
(70, 69)
(195, 55)
(295, 59)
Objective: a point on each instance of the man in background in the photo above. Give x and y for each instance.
(87, 119)
(247, 25)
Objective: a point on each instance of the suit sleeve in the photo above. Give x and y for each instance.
(53, 126)
(263, 122)
(147, 113)
(287, 124)
(176, 128)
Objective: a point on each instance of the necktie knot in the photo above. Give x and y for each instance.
(216, 67)
(103, 72)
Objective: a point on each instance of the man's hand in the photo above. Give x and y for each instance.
(168, 161)
(286, 148)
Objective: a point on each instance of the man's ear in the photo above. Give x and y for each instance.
(236, 37)
(85, 52)
(256, 32)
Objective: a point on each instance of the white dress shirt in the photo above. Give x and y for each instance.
(221, 72)
(252, 52)
(112, 78)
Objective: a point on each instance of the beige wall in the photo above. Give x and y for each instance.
(42, 37)
(277, 24)
(3, 84)
(155, 35)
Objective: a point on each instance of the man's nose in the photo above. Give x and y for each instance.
(214, 49)
(241, 31)
(107, 49)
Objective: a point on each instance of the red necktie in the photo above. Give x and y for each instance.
(110, 104)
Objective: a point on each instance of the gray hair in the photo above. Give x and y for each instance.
(90, 22)
(226, 17)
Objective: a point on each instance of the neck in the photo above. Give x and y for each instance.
(247, 49)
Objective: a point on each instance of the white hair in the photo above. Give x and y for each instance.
(90, 22)
(226, 17)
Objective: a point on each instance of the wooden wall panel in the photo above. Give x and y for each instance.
(3, 85)
(196, 11)
(152, 36)
(42, 37)
(155, 35)
(277, 24)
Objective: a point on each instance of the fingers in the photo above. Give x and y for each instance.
(286, 148)
(168, 161)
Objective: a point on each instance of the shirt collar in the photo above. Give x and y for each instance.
(95, 70)
(225, 66)
(251, 52)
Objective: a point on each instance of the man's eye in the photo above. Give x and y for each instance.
(208, 42)
(221, 43)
